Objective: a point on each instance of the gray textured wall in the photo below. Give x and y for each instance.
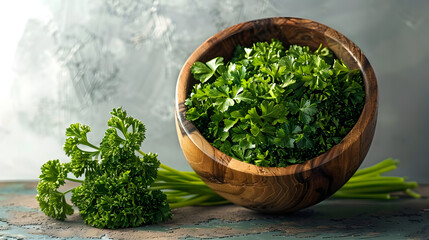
(73, 61)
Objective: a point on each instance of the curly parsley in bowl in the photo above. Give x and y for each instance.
(273, 107)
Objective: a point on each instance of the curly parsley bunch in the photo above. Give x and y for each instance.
(272, 106)
(116, 190)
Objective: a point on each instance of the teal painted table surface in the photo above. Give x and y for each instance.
(403, 218)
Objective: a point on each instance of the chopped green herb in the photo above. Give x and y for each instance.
(272, 106)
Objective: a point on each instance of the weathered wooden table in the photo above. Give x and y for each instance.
(405, 218)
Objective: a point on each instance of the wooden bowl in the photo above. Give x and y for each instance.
(285, 189)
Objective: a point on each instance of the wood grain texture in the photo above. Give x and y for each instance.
(270, 189)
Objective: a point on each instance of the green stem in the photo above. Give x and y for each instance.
(141, 152)
(376, 167)
(386, 169)
(374, 174)
(187, 189)
(173, 199)
(74, 180)
(179, 184)
(164, 175)
(412, 194)
(176, 193)
(364, 178)
(381, 189)
(191, 202)
(341, 194)
(90, 145)
(222, 202)
(179, 173)
(365, 184)
(69, 190)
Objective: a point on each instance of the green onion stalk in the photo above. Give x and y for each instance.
(368, 183)
(187, 189)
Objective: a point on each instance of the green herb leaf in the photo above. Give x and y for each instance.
(203, 72)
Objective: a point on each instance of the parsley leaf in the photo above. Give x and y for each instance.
(203, 72)
(306, 111)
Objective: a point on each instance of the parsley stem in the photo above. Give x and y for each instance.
(413, 194)
(178, 184)
(381, 189)
(342, 194)
(191, 202)
(69, 190)
(374, 179)
(377, 167)
(378, 182)
(176, 194)
(141, 152)
(179, 173)
(221, 202)
(174, 199)
(91, 145)
(74, 180)
(185, 188)
(165, 175)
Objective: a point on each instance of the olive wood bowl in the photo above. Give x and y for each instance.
(283, 189)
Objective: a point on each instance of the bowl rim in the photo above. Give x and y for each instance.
(368, 113)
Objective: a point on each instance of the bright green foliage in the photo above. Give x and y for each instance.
(81, 160)
(274, 107)
(116, 190)
(51, 201)
(119, 196)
